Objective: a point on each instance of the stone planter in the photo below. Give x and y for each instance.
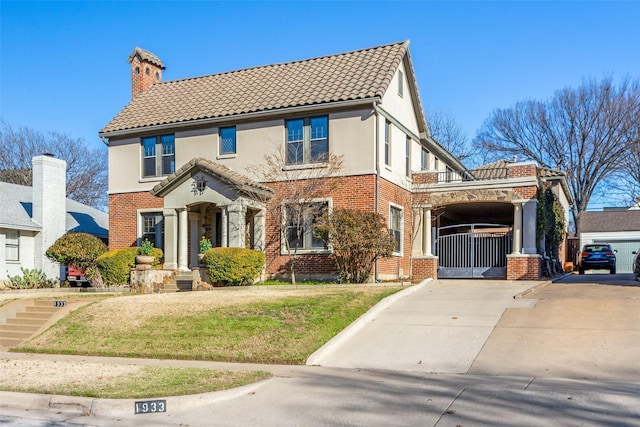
(144, 262)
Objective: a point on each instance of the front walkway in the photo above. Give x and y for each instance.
(437, 326)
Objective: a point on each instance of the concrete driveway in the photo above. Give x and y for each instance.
(561, 330)
(437, 327)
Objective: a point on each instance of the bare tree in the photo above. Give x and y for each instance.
(296, 202)
(86, 168)
(446, 130)
(584, 131)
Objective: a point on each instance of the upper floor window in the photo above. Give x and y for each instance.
(407, 158)
(387, 142)
(158, 155)
(307, 140)
(12, 245)
(299, 220)
(424, 159)
(228, 140)
(400, 83)
(395, 227)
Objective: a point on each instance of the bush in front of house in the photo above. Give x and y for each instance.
(233, 266)
(80, 250)
(115, 265)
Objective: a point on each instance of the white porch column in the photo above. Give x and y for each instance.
(224, 240)
(426, 232)
(236, 225)
(170, 239)
(183, 247)
(529, 216)
(517, 228)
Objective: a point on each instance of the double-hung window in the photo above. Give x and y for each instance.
(387, 142)
(227, 140)
(395, 227)
(299, 220)
(424, 159)
(407, 157)
(152, 228)
(12, 245)
(307, 140)
(159, 156)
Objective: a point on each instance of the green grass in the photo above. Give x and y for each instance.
(150, 382)
(284, 330)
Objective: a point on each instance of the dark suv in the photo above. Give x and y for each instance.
(597, 256)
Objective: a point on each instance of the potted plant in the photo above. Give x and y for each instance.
(205, 245)
(144, 256)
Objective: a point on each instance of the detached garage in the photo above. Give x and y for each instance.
(620, 228)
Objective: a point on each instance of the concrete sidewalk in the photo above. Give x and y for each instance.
(437, 327)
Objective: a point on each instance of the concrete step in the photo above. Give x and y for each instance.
(41, 309)
(16, 321)
(16, 334)
(10, 342)
(33, 315)
(18, 327)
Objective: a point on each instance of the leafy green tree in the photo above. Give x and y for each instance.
(357, 238)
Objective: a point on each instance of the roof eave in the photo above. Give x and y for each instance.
(242, 116)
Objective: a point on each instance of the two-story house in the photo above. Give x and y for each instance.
(182, 158)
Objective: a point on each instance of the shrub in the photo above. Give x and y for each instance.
(358, 239)
(79, 249)
(233, 266)
(115, 265)
(205, 245)
(31, 279)
(146, 248)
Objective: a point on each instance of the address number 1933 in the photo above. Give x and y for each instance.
(150, 406)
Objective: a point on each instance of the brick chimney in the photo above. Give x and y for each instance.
(146, 69)
(49, 208)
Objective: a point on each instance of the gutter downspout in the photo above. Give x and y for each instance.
(377, 159)
(105, 140)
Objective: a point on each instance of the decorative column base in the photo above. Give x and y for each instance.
(425, 267)
(523, 267)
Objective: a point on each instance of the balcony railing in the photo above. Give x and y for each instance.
(473, 175)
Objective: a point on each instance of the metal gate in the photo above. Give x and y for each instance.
(473, 250)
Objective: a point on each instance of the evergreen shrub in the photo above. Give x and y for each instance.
(233, 266)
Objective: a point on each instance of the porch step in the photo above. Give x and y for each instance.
(25, 323)
(183, 282)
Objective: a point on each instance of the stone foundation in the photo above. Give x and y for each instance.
(152, 281)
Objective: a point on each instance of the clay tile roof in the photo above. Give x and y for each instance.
(347, 76)
(218, 171)
(145, 55)
(626, 220)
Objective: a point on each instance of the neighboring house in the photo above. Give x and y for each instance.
(181, 156)
(33, 218)
(621, 228)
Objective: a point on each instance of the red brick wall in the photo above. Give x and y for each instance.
(424, 268)
(354, 192)
(391, 193)
(522, 171)
(523, 267)
(424, 177)
(123, 216)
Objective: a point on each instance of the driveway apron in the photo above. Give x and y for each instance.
(437, 327)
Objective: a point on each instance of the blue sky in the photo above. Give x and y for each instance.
(64, 65)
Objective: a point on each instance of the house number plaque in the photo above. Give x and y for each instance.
(59, 303)
(150, 406)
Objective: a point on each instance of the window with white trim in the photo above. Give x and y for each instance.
(152, 228)
(407, 158)
(424, 159)
(307, 140)
(387, 142)
(395, 227)
(12, 245)
(299, 220)
(158, 156)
